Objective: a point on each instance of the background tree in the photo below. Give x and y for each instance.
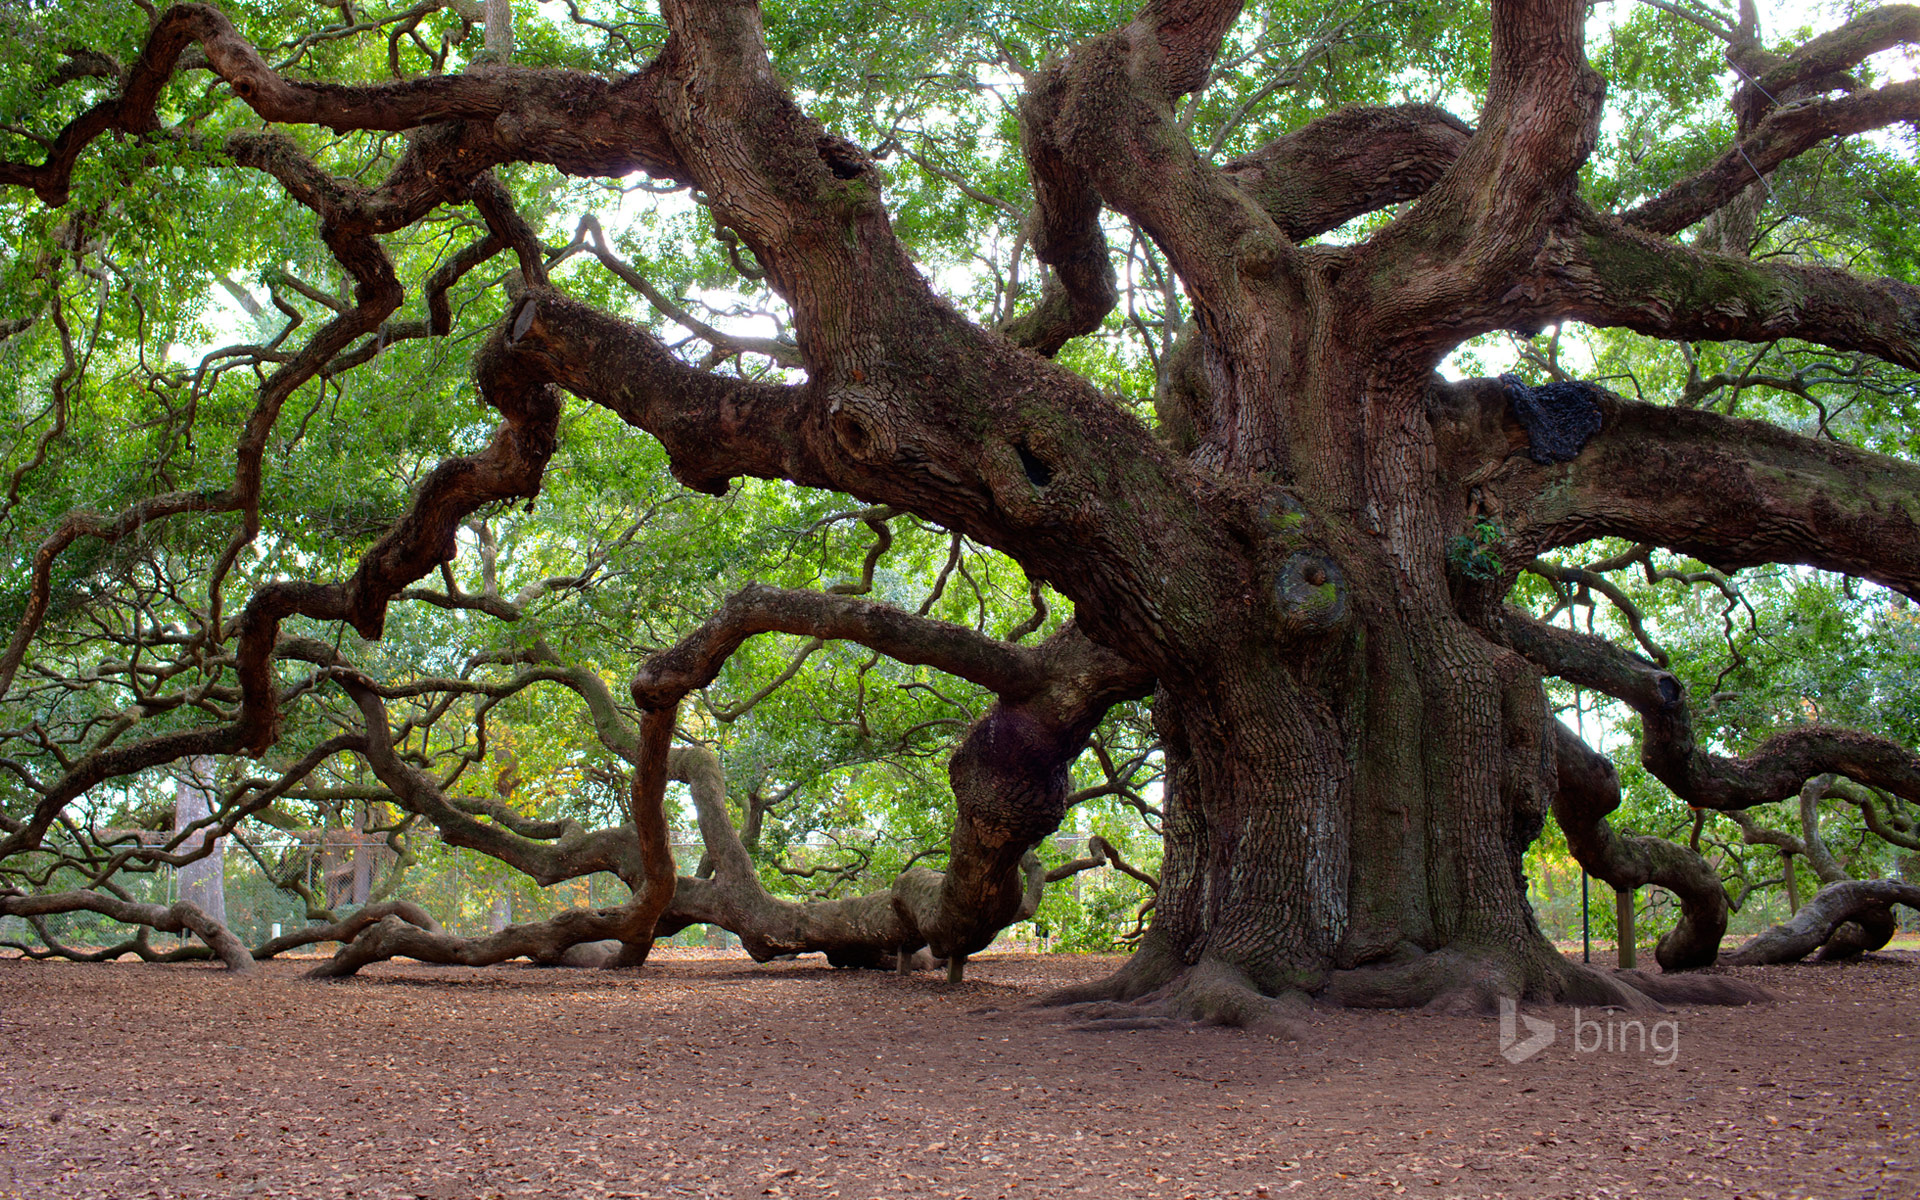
(1182, 372)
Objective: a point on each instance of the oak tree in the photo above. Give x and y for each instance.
(1304, 556)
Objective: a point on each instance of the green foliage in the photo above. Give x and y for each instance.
(130, 372)
(1475, 553)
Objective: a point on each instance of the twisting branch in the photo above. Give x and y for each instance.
(549, 855)
(1100, 853)
(1774, 770)
(1009, 774)
(864, 931)
(696, 660)
(1885, 815)
(1820, 920)
(364, 917)
(1590, 580)
(180, 917)
(1731, 492)
(545, 117)
(1589, 790)
(632, 924)
(1601, 271)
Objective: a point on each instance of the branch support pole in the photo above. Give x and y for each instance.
(1586, 917)
(1623, 922)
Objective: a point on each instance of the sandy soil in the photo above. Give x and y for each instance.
(716, 1077)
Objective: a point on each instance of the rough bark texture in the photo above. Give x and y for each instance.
(1357, 741)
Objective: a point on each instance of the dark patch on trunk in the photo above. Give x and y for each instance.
(1559, 417)
(1038, 473)
(843, 158)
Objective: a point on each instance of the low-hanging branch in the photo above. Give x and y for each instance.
(1589, 791)
(1820, 920)
(182, 916)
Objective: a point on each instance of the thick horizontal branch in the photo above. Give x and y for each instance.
(1824, 59)
(1821, 917)
(1731, 492)
(695, 661)
(1776, 769)
(543, 941)
(955, 426)
(1605, 273)
(1738, 493)
(181, 917)
(363, 918)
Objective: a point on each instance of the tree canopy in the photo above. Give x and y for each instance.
(1243, 426)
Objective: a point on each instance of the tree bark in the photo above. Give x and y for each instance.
(182, 916)
(1589, 789)
(1357, 740)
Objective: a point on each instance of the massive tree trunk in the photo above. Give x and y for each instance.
(1310, 567)
(1353, 770)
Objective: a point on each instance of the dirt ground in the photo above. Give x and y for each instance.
(716, 1077)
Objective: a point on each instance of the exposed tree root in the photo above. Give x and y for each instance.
(1696, 988)
(1474, 979)
(1823, 920)
(1155, 990)
(1210, 992)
